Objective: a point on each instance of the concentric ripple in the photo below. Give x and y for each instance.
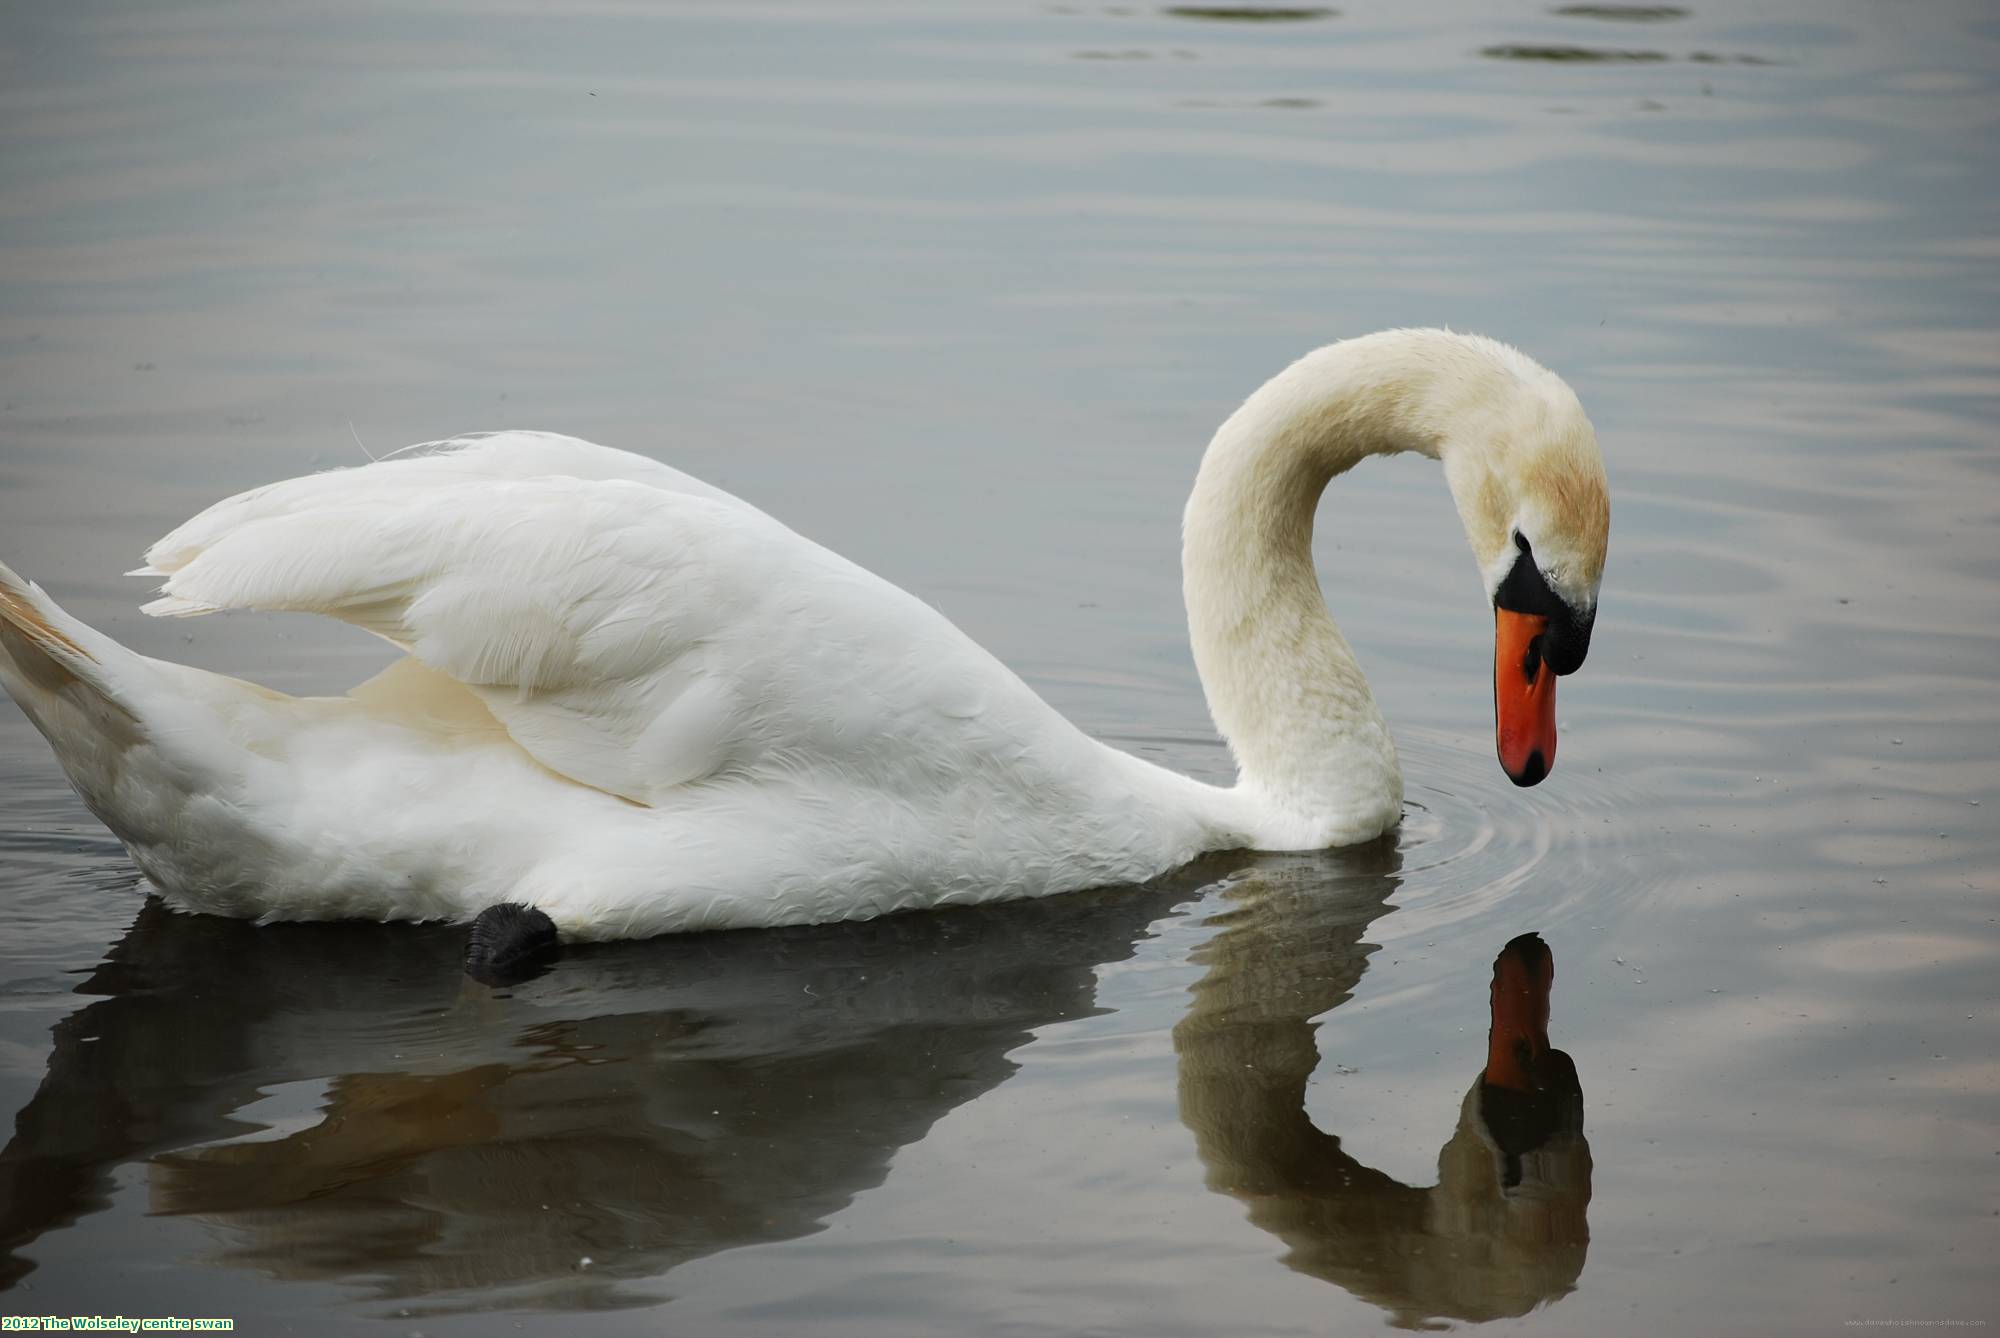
(1474, 846)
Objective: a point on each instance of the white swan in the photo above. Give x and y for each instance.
(642, 706)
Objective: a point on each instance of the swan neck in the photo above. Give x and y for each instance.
(1284, 688)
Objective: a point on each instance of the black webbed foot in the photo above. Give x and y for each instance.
(510, 943)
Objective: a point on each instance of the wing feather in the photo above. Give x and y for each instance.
(570, 605)
(478, 457)
(630, 627)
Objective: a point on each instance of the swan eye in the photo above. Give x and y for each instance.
(1521, 542)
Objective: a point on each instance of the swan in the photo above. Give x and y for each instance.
(634, 704)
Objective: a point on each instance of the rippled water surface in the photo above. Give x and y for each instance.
(961, 290)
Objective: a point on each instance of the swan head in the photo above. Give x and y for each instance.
(1528, 478)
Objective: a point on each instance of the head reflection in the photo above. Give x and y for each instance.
(1502, 1232)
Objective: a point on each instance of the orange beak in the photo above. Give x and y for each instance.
(1522, 975)
(1524, 697)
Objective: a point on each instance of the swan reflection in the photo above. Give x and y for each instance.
(645, 1105)
(337, 1103)
(1502, 1232)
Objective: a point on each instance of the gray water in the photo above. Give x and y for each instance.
(960, 291)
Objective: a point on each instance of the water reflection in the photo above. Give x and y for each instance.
(1581, 55)
(1502, 1232)
(335, 1102)
(1622, 13)
(1591, 55)
(1250, 13)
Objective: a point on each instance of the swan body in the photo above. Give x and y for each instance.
(642, 705)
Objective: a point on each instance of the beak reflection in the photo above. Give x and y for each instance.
(1504, 1229)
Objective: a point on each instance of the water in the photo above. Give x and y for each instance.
(961, 291)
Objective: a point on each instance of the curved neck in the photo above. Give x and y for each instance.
(1284, 688)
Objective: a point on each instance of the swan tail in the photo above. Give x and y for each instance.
(45, 653)
(112, 716)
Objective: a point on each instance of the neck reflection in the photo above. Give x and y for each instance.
(1503, 1231)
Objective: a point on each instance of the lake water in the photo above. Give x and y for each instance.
(961, 291)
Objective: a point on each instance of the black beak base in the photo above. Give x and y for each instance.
(1566, 641)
